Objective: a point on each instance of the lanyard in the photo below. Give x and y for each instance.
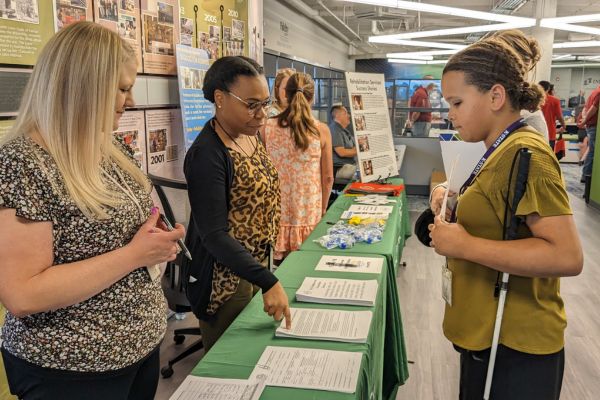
(506, 133)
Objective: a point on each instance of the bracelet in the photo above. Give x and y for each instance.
(444, 185)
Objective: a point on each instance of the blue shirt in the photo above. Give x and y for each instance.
(341, 137)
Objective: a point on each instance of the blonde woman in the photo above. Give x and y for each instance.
(280, 102)
(86, 313)
(300, 147)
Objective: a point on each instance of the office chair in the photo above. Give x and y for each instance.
(338, 186)
(172, 283)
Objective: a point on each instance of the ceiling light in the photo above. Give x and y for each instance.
(574, 18)
(582, 43)
(566, 23)
(411, 56)
(415, 54)
(432, 8)
(457, 31)
(421, 62)
(593, 65)
(560, 56)
(417, 43)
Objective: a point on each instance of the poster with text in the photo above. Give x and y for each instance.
(227, 40)
(164, 142)
(67, 12)
(25, 27)
(132, 132)
(12, 87)
(372, 129)
(160, 28)
(123, 17)
(196, 111)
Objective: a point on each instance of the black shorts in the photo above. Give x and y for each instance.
(32, 382)
(517, 375)
(581, 134)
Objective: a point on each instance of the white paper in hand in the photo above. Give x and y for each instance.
(445, 201)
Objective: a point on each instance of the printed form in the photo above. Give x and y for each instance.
(338, 291)
(341, 263)
(334, 371)
(201, 388)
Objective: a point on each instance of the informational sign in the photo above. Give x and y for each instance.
(132, 132)
(25, 27)
(5, 125)
(195, 109)
(67, 12)
(160, 27)
(123, 17)
(372, 129)
(164, 141)
(219, 34)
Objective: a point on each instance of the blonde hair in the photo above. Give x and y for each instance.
(70, 101)
(281, 75)
(300, 91)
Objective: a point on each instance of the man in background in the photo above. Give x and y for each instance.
(552, 113)
(590, 120)
(420, 121)
(342, 141)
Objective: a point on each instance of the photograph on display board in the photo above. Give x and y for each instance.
(158, 37)
(237, 29)
(187, 31)
(67, 12)
(363, 143)
(108, 10)
(191, 78)
(157, 140)
(226, 33)
(128, 5)
(214, 38)
(357, 103)
(359, 122)
(127, 27)
(367, 167)
(20, 10)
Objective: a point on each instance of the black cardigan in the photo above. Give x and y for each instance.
(209, 172)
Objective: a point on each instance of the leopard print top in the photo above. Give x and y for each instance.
(253, 217)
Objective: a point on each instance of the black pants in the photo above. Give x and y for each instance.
(552, 143)
(31, 382)
(517, 376)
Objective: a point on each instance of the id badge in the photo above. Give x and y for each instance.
(154, 272)
(447, 284)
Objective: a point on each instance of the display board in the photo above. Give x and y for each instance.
(12, 87)
(192, 64)
(160, 29)
(5, 125)
(220, 34)
(123, 17)
(372, 130)
(25, 27)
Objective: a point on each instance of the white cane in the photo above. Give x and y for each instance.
(523, 156)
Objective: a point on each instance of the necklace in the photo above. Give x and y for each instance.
(234, 141)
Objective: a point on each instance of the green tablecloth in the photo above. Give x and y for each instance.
(384, 364)
(397, 229)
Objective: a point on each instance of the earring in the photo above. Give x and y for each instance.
(218, 106)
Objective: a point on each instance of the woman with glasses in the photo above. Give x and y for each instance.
(300, 147)
(234, 194)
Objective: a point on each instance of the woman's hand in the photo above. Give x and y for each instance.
(437, 198)
(152, 245)
(276, 304)
(448, 239)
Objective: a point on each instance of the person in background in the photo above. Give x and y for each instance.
(86, 312)
(420, 121)
(300, 147)
(233, 188)
(280, 100)
(590, 121)
(342, 141)
(552, 113)
(485, 85)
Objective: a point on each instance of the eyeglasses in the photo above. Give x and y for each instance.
(254, 106)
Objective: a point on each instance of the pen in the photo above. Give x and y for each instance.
(333, 264)
(182, 245)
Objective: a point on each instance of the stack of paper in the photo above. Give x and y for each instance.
(340, 263)
(333, 325)
(334, 371)
(338, 291)
(201, 388)
(367, 211)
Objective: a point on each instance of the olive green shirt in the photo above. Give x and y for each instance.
(534, 316)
